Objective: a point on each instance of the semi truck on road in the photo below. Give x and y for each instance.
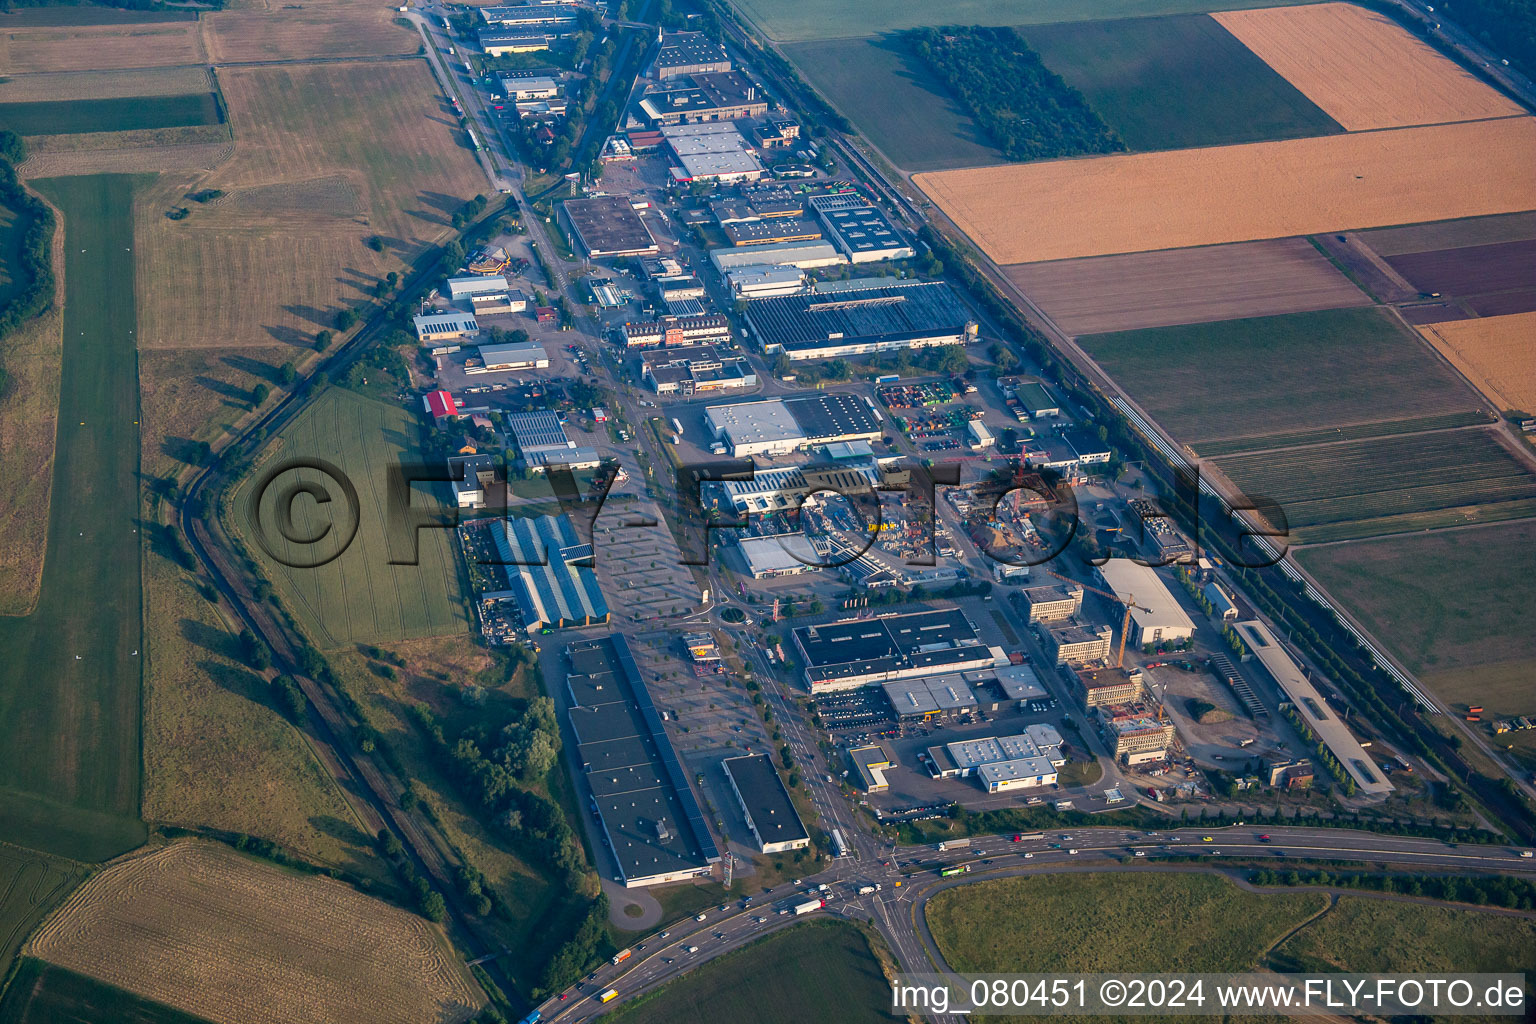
(809, 906)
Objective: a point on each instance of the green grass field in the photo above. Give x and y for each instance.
(895, 100)
(1265, 382)
(41, 993)
(1203, 923)
(1111, 922)
(1384, 485)
(70, 680)
(116, 114)
(31, 884)
(788, 21)
(359, 596)
(797, 975)
(1152, 80)
(1448, 605)
(1363, 934)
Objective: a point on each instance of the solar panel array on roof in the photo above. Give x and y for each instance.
(863, 646)
(537, 430)
(889, 314)
(833, 416)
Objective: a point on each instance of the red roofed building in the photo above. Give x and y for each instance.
(440, 404)
(546, 314)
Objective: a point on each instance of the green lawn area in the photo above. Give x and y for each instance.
(811, 972)
(1155, 81)
(31, 884)
(70, 681)
(1363, 934)
(114, 114)
(895, 100)
(41, 993)
(1267, 382)
(788, 21)
(1111, 922)
(359, 596)
(1449, 605)
(1382, 485)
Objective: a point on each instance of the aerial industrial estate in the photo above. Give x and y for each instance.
(578, 491)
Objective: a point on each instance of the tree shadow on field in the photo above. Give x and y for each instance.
(316, 316)
(224, 389)
(336, 828)
(440, 201)
(241, 682)
(362, 280)
(254, 367)
(285, 335)
(922, 78)
(182, 449)
(214, 641)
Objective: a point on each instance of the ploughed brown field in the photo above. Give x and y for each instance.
(1061, 209)
(1363, 70)
(1185, 286)
(1474, 270)
(207, 931)
(1497, 354)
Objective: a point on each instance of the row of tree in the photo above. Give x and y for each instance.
(1027, 109)
(34, 267)
(1483, 890)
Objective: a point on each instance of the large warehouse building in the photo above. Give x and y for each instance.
(864, 652)
(608, 226)
(859, 323)
(780, 426)
(765, 803)
(650, 819)
(549, 573)
(1157, 617)
(806, 255)
(862, 232)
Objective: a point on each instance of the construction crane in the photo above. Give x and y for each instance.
(1129, 601)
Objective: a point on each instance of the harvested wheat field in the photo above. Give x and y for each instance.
(1496, 353)
(92, 85)
(323, 30)
(309, 182)
(1063, 209)
(1362, 69)
(1186, 286)
(202, 929)
(100, 47)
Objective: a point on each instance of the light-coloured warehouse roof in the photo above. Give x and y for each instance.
(1156, 607)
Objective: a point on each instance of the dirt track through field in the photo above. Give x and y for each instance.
(1062, 209)
(198, 927)
(1362, 69)
(1186, 286)
(1497, 354)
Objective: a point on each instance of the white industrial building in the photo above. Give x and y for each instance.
(805, 255)
(786, 554)
(1157, 616)
(756, 428)
(464, 287)
(523, 356)
(1000, 763)
(762, 281)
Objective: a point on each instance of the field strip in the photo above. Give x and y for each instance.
(1103, 294)
(1496, 354)
(89, 85)
(1364, 70)
(1062, 209)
